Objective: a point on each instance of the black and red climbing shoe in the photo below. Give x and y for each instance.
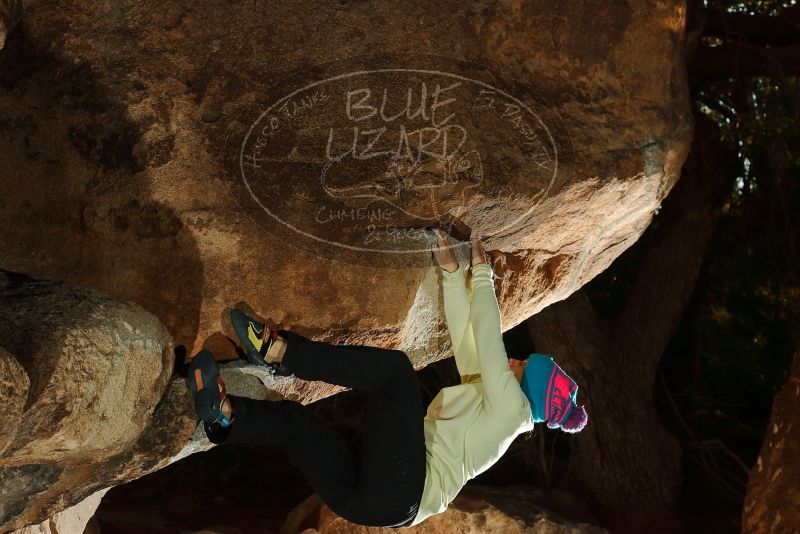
(208, 389)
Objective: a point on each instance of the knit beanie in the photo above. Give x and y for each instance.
(549, 389)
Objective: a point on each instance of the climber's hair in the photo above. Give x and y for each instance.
(518, 343)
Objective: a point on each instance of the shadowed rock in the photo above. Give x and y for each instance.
(14, 385)
(772, 503)
(510, 510)
(10, 13)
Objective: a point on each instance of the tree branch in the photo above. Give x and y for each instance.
(743, 60)
(568, 330)
(780, 30)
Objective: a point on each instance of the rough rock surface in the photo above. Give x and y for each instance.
(772, 503)
(102, 406)
(119, 122)
(477, 509)
(98, 369)
(73, 520)
(14, 385)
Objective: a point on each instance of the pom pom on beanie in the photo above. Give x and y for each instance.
(576, 421)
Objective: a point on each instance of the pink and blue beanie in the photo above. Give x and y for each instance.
(552, 394)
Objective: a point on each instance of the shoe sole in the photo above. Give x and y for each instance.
(209, 370)
(201, 379)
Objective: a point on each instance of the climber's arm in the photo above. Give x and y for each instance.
(503, 395)
(456, 312)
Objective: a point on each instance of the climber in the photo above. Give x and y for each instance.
(409, 467)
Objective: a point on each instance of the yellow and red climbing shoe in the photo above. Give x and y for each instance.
(257, 339)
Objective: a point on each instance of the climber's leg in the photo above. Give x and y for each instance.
(317, 450)
(277, 350)
(360, 367)
(354, 366)
(391, 474)
(262, 345)
(386, 486)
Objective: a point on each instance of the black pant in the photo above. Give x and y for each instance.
(384, 486)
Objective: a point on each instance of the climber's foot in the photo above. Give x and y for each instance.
(227, 408)
(263, 346)
(444, 251)
(215, 431)
(208, 389)
(478, 252)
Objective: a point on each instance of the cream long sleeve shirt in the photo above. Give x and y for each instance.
(468, 427)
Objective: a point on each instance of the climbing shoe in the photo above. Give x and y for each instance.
(257, 339)
(208, 389)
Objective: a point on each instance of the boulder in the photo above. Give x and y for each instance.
(102, 406)
(97, 367)
(477, 509)
(186, 159)
(128, 126)
(97, 371)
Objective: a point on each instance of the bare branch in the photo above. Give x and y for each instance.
(780, 30)
(743, 60)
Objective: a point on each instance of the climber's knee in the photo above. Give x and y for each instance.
(397, 364)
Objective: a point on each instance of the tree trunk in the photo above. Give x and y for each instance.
(744, 60)
(625, 457)
(767, 30)
(747, 45)
(772, 503)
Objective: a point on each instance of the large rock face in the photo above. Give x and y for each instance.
(14, 384)
(124, 125)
